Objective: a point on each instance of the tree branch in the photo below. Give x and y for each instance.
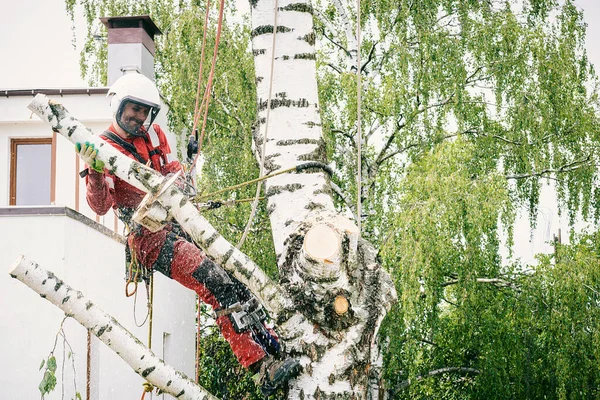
(432, 373)
(575, 165)
(141, 359)
(349, 203)
(350, 38)
(336, 69)
(369, 58)
(498, 282)
(336, 43)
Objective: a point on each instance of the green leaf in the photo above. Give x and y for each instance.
(51, 364)
(48, 383)
(42, 365)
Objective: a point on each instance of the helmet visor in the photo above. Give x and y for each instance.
(134, 113)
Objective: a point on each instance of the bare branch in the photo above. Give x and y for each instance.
(410, 146)
(575, 165)
(432, 373)
(478, 133)
(336, 69)
(346, 135)
(336, 43)
(350, 38)
(498, 282)
(349, 203)
(369, 59)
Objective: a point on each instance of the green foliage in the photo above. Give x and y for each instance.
(221, 374)
(48, 382)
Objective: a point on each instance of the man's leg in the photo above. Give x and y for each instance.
(182, 261)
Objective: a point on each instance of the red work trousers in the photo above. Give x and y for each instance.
(184, 262)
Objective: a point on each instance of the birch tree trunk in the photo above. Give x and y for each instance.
(332, 294)
(340, 293)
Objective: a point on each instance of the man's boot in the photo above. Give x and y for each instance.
(272, 373)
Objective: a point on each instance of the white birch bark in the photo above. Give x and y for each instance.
(140, 358)
(172, 199)
(323, 262)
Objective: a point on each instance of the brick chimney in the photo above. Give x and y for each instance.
(130, 45)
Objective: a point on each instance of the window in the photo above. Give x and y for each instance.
(31, 171)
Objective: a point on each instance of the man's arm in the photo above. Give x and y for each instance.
(100, 187)
(100, 191)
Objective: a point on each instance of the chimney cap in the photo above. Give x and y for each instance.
(140, 21)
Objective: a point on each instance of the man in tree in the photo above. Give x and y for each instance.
(240, 317)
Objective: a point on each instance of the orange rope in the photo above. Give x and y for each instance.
(204, 109)
(196, 115)
(206, 99)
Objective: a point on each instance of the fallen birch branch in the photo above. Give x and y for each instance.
(143, 361)
(178, 204)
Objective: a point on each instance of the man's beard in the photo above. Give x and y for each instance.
(134, 124)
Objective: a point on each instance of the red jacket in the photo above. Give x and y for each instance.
(105, 191)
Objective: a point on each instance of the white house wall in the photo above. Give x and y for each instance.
(16, 121)
(92, 262)
(86, 259)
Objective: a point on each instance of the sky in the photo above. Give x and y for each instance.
(37, 49)
(38, 52)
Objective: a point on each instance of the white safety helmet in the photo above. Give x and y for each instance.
(137, 89)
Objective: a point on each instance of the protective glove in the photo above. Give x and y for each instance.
(88, 154)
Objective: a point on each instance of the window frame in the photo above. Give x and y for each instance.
(14, 142)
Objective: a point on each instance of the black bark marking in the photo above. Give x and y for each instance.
(276, 103)
(88, 305)
(65, 299)
(13, 276)
(291, 142)
(59, 283)
(305, 56)
(319, 154)
(309, 37)
(300, 7)
(181, 393)
(314, 206)
(44, 281)
(325, 190)
(169, 383)
(102, 330)
(211, 239)
(265, 29)
(273, 190)
(182, 202)
(243, 271)
(112, 160)
(227, 256)
(259, 52)
(71, 130)
(148, 371)
(311, 124)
